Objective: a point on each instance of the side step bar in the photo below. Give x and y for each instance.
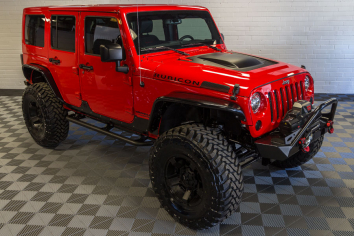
(108, 133)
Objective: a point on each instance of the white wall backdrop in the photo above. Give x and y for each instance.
(11, 76)
(315, 33)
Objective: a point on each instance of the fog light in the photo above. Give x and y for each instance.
(258, 125)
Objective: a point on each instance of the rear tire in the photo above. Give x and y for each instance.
(300, 158)
(198, 160)
(44, 115)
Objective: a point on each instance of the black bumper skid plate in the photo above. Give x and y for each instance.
(275, 146)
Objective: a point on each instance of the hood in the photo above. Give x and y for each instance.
(219, 70)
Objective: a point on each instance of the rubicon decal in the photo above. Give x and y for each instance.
(172, 78)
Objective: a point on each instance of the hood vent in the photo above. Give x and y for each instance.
(241, 61)
(220, 62)
(235, 61)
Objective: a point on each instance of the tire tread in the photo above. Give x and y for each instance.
(222, 164)
(56, 125)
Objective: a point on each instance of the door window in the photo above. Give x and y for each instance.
(100, 31)
(34, 30)
(63, 33)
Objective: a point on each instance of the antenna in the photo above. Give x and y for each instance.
(138, 25)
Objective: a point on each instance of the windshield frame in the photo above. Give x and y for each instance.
(162, 47)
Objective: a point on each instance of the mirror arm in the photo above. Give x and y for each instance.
(124, 69)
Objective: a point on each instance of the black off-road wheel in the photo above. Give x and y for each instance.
(196, 175)
(301, 157)
(44, 115)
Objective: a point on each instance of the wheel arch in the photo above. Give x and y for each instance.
(173, 110)
(37, 73)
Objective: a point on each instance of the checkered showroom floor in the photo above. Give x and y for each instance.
(94, 185)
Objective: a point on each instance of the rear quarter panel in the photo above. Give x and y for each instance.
(34, 54)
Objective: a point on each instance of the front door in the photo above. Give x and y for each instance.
(63, 54)
(107, 92)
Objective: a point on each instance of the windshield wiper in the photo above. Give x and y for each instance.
(204, 44)
(161, 47)
(215, 48)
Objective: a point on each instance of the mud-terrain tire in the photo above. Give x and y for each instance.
(205, 163)
(44, 115)
(301, 157)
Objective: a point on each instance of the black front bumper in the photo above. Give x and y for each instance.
(275, 146)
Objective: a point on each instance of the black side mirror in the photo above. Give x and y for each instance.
(222, 36)
(114, 52)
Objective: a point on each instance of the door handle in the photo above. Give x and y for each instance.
(82, 66)
(54, 60)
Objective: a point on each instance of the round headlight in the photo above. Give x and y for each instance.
(255, 102)
(307, 83)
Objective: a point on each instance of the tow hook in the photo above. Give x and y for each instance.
(330, 126)
(305, 143)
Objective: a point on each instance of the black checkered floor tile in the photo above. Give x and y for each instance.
(94, 185)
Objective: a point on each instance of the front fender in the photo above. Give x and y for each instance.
(196, 100)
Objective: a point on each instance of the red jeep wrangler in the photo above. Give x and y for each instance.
(164, 72)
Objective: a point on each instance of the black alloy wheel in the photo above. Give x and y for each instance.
(185, 185)
(36, 119)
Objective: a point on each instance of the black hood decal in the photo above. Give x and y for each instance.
(232, 60)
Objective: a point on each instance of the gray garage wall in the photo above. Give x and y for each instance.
(315, 33)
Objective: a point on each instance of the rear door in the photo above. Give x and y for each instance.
(63, 54)
(107, 92)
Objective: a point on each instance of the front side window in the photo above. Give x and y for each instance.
(100, 31)
(63, 33)
(152, 31)
(34, 30)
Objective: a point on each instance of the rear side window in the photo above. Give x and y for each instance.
(63, 33)
(100, 31)
(34, 30)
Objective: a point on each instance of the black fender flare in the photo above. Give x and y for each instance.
(196, 100)
(46, 75)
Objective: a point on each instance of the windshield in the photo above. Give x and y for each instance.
(162, 30)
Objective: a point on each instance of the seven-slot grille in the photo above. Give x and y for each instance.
(282, 100)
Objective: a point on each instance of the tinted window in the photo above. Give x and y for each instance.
(158, 31)
(100, 31)
(63, 33)
(34, 30)
(195, 27)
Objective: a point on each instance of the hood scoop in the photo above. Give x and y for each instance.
(235, 61)
(232, 62)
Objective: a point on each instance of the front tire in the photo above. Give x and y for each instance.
(196, 175)
(44, 115)
(300, 158)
